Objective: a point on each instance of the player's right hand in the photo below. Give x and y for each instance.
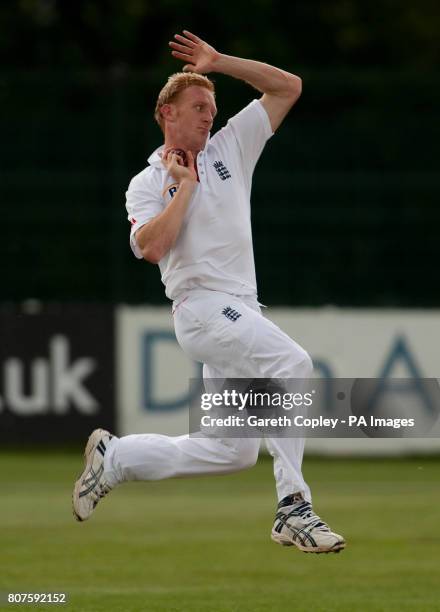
(175, 165)
(200, 56)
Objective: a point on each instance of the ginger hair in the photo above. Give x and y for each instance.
(174, 86)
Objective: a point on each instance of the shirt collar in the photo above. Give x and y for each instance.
(155, 159)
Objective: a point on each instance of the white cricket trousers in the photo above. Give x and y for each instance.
(245, 346)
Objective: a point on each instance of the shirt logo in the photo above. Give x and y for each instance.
(222, 171)
(231, 314)
(170, 191)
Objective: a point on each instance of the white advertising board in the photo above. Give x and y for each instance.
(153, 372)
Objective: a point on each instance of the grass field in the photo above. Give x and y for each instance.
(203, 544)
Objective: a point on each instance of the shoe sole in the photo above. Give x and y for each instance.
(279, 539)
(91, 445)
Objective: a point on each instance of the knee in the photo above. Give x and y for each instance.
(298, 365)
(247, 455)
(303, 368)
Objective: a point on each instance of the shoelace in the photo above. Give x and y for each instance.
(310, 518)
(101, 490)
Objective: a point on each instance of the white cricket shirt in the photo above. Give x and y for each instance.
(214, 248)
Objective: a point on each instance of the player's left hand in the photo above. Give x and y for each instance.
(200, 56)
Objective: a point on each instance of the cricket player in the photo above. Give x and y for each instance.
(190, 214)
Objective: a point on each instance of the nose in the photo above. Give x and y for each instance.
(208, 119)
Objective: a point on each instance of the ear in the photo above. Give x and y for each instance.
(168, 112)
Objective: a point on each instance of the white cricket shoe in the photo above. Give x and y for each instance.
(297, 524)
(91, 486)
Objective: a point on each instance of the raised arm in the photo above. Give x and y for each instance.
(280, 89)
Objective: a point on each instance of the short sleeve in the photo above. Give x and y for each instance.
(252, 129)
(143, 203)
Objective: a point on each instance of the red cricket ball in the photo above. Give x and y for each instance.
(181, 153)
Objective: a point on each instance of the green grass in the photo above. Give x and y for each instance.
(203, 544)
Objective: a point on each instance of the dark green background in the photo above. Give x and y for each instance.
(345, 196)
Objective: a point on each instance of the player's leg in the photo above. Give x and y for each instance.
(250, 346)
(238, 342)
(155, 456)
(295, 522)
(111, 461)
(287, 456)
(277, 357)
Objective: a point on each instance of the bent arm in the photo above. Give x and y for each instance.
(157, 237)
(280, 89)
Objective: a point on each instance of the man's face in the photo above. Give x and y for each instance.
(192, 117)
